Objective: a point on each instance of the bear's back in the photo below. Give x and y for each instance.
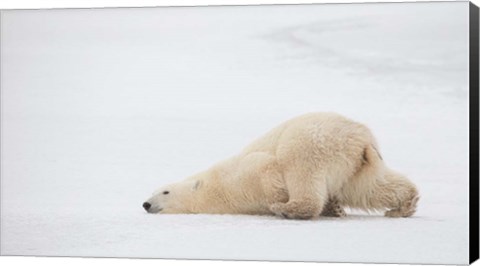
(311, 127)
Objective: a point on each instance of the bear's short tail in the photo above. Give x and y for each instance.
(371, 156)
(359, 192)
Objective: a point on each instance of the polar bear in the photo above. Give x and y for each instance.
(315, 164)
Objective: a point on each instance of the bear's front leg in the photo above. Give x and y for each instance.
(266, 169)
(307, 193)
(297, 209)
(263, 167)
(274, 186)
(331, 209)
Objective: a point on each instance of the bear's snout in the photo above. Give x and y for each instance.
(146, 205)
(151, 208)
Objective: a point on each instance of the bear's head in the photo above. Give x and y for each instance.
(173, 198)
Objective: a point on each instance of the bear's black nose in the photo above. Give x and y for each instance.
(146, 206)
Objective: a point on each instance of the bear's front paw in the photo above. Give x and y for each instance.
(296, 210)
(279, 209)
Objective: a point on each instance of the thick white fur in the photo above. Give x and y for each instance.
(310, 165)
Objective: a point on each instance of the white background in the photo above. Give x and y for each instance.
(99, 3)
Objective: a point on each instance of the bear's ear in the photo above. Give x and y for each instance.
(197, 185)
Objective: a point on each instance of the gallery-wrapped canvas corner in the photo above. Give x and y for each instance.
(303, 132)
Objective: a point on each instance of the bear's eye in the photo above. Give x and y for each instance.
(165, 192)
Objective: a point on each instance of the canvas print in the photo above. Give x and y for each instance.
(320, 132)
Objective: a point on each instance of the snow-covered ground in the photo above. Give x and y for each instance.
(101, 107)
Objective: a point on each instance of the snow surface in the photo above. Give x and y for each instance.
(100, 107)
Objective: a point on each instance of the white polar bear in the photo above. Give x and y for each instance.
(311, 165)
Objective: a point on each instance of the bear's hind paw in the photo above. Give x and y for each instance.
(333, 209)
(407, 210)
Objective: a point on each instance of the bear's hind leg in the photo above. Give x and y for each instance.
(406, 208)
(397, 194)
(333, 209)
(405, 211)
(376, 187)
